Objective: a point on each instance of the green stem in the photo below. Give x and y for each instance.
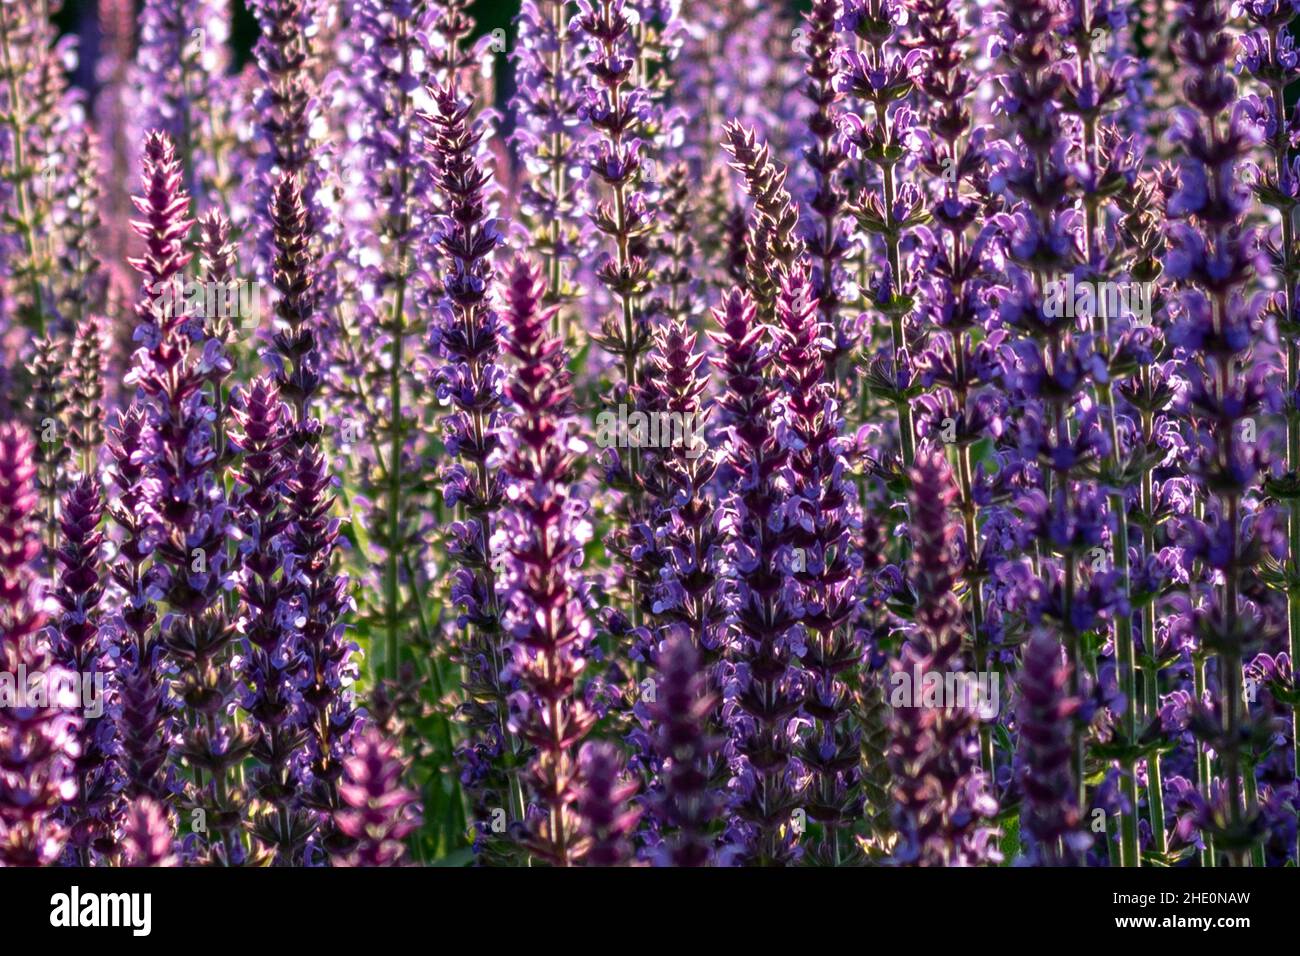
(1155, 785)
(1280, 150)
(1203, 769)
(554, 264)
(1074, 648)
(431, 669)
(1151, 671)
(897, 330)
(26, 218)
(397, 333)
(1103, 392)
(1124, 650)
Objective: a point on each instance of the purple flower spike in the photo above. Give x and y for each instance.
(773, 245)
(184, 89)
(143, 724)
(294, 275)
(829, 243)
(603, 805)
(763, 623)
(148, 837)
(615, 107)
(329, 708)
(262, 433)
(179, 369)
(543, 613)
(471, 380)
(37, 743)
(378, 812)
(1211, 254)
(549, 91)
(86, 414)
(287, 104)
(942, 799)
(683, 713)
(78, 644)
(822, 515)
(1051, 812)
(164, 206)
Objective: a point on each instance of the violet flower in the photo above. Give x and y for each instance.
(619, 109)
(770, 690)
(262, 434)
(48, 409)
(84, 280)
(299, 242)
(1270, 56)
(299, 659)
(216, 267)
(1148, 394)
(688, 593)
(772, 244)
(1051, 813)
(471, 381)
(677, 247)
(614, 106)
(684, 714)
(147, 835)
(680, 555)
(541, 557)
(450, 23)
(549, 140)
(325, 683)
(79, 643)
(165, 206)
(881, 75)
(1210, 255)
(1094, 90)
(143, 724)
(391, 61)
(736, 61)
(294, 273)
(942, 797)
(820, 514)
(37, 741)
(192, 509)
(86, 398)
(378, 811)
(287, 103)
(829, 244)
(874, 718)
(959, 253)
(1059, 441)
(670, 430)
(603, 806)
(183, 88)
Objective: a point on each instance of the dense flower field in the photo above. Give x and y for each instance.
(864, 432)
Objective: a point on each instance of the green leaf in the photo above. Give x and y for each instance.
(1010, 842)
(462, 857)
(982, 451)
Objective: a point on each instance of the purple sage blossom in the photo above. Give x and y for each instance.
(37, 740)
